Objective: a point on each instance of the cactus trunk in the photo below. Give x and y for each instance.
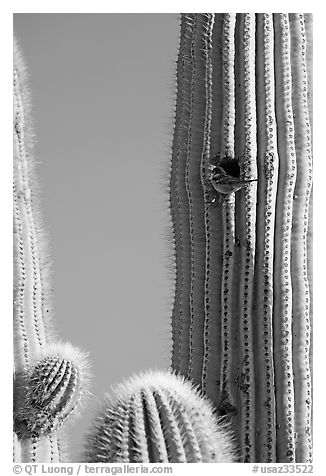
(241, 320)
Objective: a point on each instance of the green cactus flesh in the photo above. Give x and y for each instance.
(158, 417)
(241, 320)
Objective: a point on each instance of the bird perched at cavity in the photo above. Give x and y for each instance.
(225, 176)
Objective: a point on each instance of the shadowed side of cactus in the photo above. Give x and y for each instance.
(241, 319)
(48, 378)
(158, 417)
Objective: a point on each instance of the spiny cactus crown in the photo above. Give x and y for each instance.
(158, 417)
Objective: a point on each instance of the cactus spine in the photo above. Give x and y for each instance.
(158, 417)
(36, 420)
(241, 317)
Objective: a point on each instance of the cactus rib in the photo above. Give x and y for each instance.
(196, 197)
(266, 199)
(282, 275)
(179, 201)
(300, 284)
(227, 398)
(245, 227)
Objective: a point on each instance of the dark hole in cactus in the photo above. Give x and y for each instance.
(230, 166)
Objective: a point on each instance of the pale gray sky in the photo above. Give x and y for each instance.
(103, 88)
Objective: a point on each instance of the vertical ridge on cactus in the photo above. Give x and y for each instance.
(250, 256)
(227, 395)
(175, 215)
(300, 283)
(174, 444)
(179, 200)
(213, 217)
(195, 195)
(308, 28)
(158, 417)
(154, 430)
(267, 164)
(245, 224)
(282, 276)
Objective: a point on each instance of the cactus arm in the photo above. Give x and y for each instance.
(30, 334)
(300, 284)
(227, 397)
(213, 215)
(32, 304)
(266, 202)
(179, 201)
(282, 272)
(49, 379)
(196, 197)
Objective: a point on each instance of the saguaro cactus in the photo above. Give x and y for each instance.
(157, 417)
(49, 378)
(241, 315)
